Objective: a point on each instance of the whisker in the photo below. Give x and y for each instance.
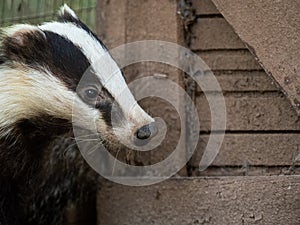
(87, 135)
(76, 143)
(83, 140)
(115, 161)
(94, 148)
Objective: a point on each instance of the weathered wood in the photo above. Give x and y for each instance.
(271, 31)
(252, 112)
(244, 81)
(156, 20)
(214, 33)
(110, 22)
(230, 60)
(279, 149)
(226, 200)
(204, 7)
(128, 21)
(152, 20)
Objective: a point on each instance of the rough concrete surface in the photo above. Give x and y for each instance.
(226, 200)
(204, 7)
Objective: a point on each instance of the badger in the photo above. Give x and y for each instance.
(40, 71)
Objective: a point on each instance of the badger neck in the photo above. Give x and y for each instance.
(23, 144)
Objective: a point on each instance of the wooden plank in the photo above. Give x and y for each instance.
(205, 7)
(271, 31)
(239, 81)
(214, 33)
(147, 20)
(230, 60)
(252, 112)
(225, 200)
(279, 149)
(152, 20)
(110, 23)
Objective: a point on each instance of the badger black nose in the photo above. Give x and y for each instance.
(145, 133)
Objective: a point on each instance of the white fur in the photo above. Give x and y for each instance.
(66, 8)
(9, 31)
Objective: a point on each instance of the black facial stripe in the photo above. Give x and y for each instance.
(105, 108)
(67, 58)
(111, 113)
(110, 109)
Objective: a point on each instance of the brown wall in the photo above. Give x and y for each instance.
(127, 21)
(262, 127)
(262, 134)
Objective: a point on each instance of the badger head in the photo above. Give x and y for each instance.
(45, 70)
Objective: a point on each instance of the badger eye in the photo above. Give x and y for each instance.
(91, 93)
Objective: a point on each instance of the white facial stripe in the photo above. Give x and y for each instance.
(114, 82)
(90, 47)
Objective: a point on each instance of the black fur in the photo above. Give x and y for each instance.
(41, 174)
(67, 58)
(111, 110)
(10, 209)
(66, 179)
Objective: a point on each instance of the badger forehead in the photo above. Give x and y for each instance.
(67, 49)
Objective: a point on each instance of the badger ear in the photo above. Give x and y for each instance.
(23, 43)
(65, 13)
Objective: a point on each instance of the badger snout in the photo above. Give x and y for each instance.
(144, 134)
